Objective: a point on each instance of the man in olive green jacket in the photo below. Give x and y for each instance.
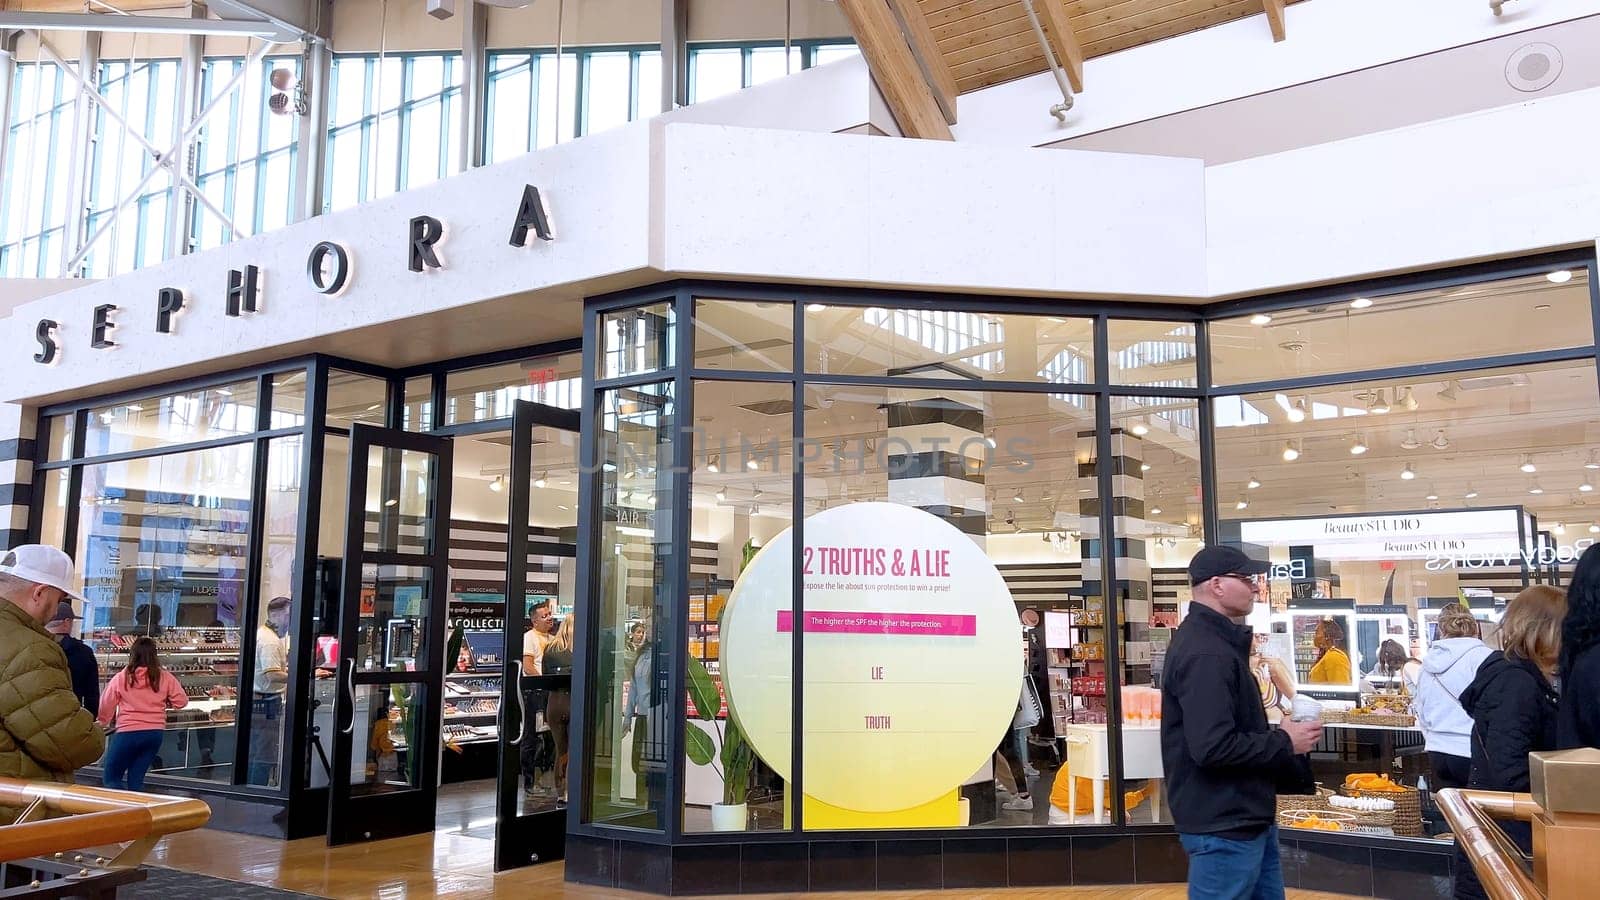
(45, 733)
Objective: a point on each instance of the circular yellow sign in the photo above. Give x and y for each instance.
(913, 662)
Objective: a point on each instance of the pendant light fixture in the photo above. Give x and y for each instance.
(1527, 464)
(1411, 442)
(1378, 406)
(1440, 442)
(1359, 447)
(1252, 484)
(1594, 461)
(1297, 411)
(1408, 473)
(1290, 451)
(1472, 493)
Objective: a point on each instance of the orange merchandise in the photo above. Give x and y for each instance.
(1371, 782)
(1083, 793)
(1316, 823)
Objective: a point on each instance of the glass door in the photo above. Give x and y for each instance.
(391, 635)
(541, 587)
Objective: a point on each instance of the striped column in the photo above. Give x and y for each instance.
(16, 473)
(1132, 589)
(934, 454)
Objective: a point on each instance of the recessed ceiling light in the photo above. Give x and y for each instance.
(1587, 486)
(1260, 319)
(1559, 276)
(1360, 303)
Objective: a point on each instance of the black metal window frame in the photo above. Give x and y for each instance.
(682, 295)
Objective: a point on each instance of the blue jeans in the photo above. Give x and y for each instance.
(129, 757)
(1223, 869)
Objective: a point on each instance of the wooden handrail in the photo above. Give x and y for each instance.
(1494, 857)
(93, 816)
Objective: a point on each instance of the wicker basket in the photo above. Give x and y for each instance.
(1381, 819)
(1407, 808)
(1393, 720)
(1290, 818)
(1335, 716)
(1313, 802)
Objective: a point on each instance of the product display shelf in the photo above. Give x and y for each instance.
(706, 599)
(205, 660)
(463, 724)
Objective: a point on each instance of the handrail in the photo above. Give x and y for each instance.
(1492, 854)
(97, 816)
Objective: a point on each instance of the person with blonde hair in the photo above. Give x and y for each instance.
(558, 710)
(1448, 669)
(1512, 702)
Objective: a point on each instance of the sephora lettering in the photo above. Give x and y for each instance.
(329, 266)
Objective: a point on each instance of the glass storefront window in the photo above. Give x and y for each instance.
(739, 566)
(942, 528)
(1356, 333)
(53, 508)
(927, 343)
(746, 335)
(417, 414)
(276, 612)
(161, 551)
(1153, 354)
(488, 393)
(630, 736)
(637, 341)
(149, 423)
(60, 430)
(1375, 521)
(355, 398)
(1158, 510)
(288, 399)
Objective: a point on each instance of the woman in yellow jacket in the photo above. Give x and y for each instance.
(1333, 663)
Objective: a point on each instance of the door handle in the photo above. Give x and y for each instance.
(522, 707)
(350, 695)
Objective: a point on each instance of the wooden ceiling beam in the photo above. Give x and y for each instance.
(935, 70)
(1275, 18)
(1063, 40)
(894, 67)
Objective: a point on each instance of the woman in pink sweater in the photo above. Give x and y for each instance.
(138, 698)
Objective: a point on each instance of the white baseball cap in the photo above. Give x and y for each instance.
(40, 564)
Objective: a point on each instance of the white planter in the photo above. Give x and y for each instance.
(729, 817)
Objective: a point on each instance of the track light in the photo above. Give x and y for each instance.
(1242, 504)
(1534, 488)
(1432, 496)
(1290, 451)
(1297, 411)
(1140, 429)
(1155, 510)
(990, 441)
(498, 484)
(1359, 447)
(1593, 463)
(1378, 406)
(1405, 397)
(1018, 496)
(1144, 467)
(1411, 442)
(1594, 529)
(1560, 528)
(722, 494)
(1260, 319)
(1527, 464)
(1408, 473)
(1472, 493)
(1360, 303)
(1440, 442)
(815, 307)
(542, 480)
(752, 464)
(715, 465)
(1252, 484)
(1448, 392)
(1559, 276)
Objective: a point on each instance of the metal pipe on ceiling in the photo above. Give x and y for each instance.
(1059, 110)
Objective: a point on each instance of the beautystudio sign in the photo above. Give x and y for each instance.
(1468, 539)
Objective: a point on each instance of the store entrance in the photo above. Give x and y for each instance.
(511, 593)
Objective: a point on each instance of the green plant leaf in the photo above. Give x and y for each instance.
(703, 691)
(738, 758)
(701, 750)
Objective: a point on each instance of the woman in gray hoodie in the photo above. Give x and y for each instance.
(1448, 669)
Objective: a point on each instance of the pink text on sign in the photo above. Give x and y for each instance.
(882, 623)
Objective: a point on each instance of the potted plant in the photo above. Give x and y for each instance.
(736, 759)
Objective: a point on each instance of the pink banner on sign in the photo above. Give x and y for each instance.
(882, 623)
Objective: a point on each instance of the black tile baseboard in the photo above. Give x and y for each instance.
(797, 866)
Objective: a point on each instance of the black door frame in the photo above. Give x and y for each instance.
(521, 840)
(351, 818)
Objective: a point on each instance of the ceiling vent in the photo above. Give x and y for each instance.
(1533, 67)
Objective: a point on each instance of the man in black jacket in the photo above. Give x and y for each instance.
(1224, 762)
(80, 659)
